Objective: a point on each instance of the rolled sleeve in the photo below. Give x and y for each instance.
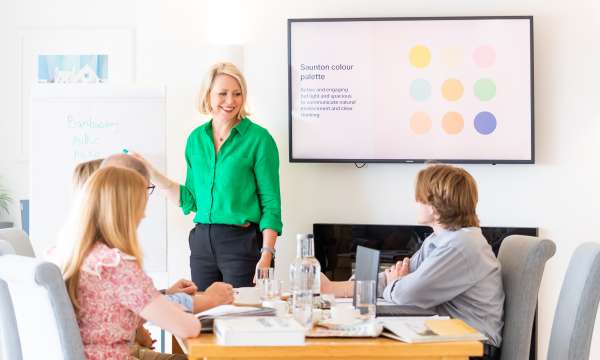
(438, 279)
(183, 299)
(266, 170)
(187, 200)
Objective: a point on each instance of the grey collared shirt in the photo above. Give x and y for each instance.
(456, 274)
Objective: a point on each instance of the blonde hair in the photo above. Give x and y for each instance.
(111, 207)
(222, 68)
(452, 192)
(83, 171)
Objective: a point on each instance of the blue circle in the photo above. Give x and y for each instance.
(420, 89)
(485, 123)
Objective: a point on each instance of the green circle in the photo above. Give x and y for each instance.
(485, 89)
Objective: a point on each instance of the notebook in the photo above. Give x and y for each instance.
(424, 330)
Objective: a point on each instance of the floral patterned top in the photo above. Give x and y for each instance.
(112, 291)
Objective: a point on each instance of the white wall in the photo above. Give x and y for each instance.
(559, 194)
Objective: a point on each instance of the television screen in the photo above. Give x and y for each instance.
(452, 89)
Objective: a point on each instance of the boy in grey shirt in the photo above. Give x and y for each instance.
(455, 271)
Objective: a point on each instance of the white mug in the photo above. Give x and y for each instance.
(282, 308)
(246, 296)
(343, 313)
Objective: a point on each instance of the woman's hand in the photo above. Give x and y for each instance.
(183, 285)
(220, 293)
(395, 272)
(263, 263)
(169, 187)
(151, 170)
(266, 258)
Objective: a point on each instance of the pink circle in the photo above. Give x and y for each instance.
(484, 56)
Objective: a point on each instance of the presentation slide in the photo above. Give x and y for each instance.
(454, 89)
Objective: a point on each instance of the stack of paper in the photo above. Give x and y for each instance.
(206, 317)
(372, 328)
(259, 331)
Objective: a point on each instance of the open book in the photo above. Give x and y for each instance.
(422, 330)
(206, 317)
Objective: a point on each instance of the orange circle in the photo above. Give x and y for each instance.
(452, 89)
(453, 123)
(420, 123)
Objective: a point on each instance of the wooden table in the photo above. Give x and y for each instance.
(204, 347)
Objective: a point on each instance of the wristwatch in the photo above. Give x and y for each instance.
(267, 249)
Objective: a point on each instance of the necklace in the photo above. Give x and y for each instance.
(225, 134)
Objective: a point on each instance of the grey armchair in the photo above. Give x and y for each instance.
(45, 317)
(6, 248)
(577, 306)
(19, 241)
(523, 259)
(10, 343)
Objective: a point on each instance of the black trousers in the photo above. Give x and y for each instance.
(226, 253)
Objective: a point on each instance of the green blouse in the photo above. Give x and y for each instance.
(240, 184)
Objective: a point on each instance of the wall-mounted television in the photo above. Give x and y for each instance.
(450, 89)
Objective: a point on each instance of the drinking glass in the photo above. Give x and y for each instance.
(302, 299)
(302, 307)
(264, 276)
(274, 287)
(366, 298)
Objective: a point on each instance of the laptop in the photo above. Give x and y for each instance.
(367, 268)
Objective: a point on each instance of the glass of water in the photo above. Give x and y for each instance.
(302, 307)
(274, 287)
(366, 298)
(264, 277)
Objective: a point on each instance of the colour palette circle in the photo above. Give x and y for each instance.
(485, 89)
(485, 123)
(420, 123)
(484, 56)
(453, 123)
(452, 57)
(452, 89)
(419, 56)
(420, 89)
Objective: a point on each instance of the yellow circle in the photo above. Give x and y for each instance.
(419, 56)
(452, 89)
(420, 123)
(452, 123)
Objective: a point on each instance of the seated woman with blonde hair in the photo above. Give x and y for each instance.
(109, 290)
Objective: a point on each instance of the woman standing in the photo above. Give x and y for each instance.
(232, 185)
